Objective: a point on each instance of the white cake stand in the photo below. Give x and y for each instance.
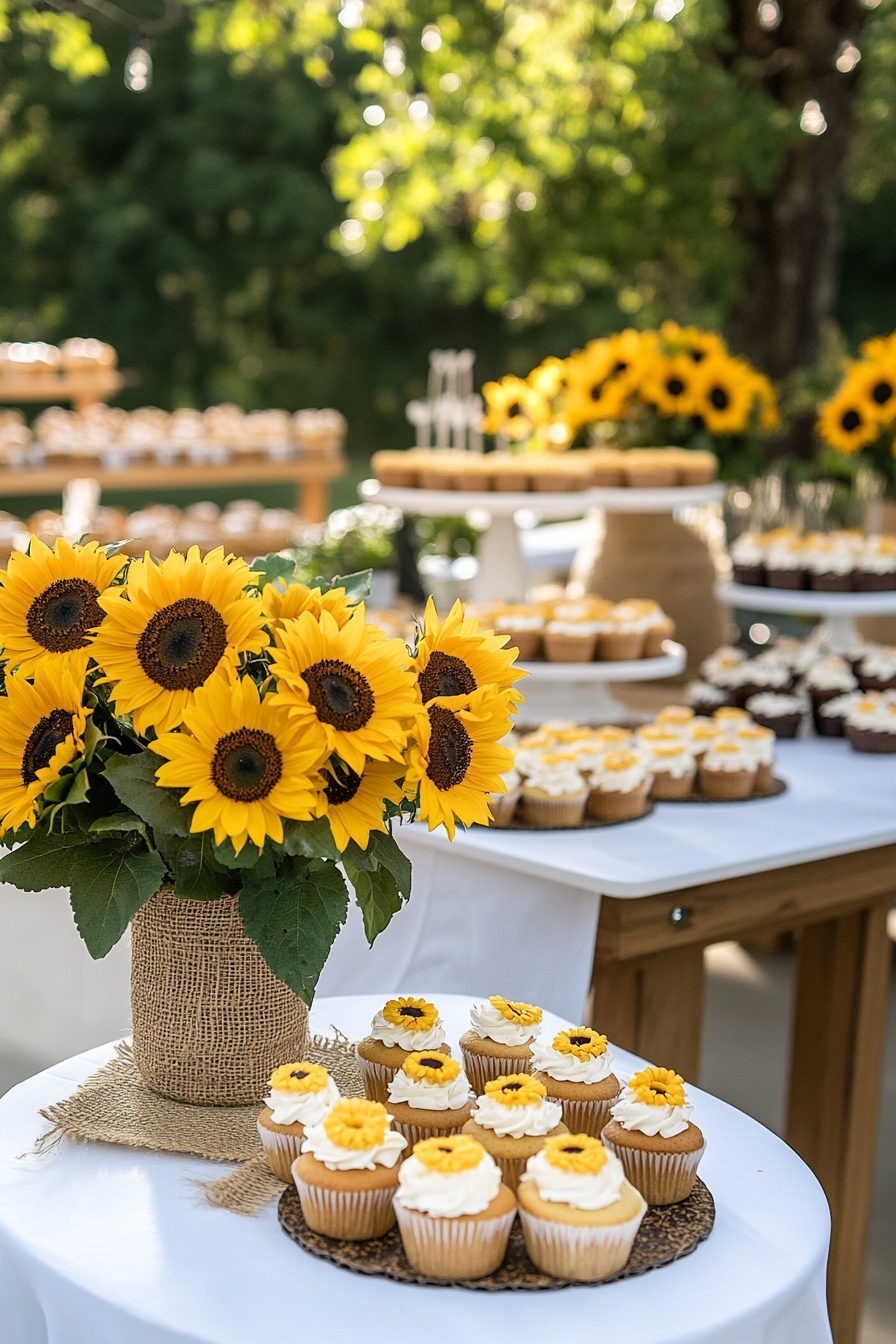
(839, 609)
(581, 691)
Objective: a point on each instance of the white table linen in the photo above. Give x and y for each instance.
(102, 1244)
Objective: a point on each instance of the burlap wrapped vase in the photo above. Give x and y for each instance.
(211, 1020)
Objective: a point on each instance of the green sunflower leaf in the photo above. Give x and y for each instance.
(191, 863)
(109, 882)
(120, 822)
(248, 857)
(133, 779)
(385, 850)
(309, 839)
(294, 918)
(274, 568)
(355, 585)
(42, 861)
(378, 897)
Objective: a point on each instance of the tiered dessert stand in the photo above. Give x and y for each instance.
(839, 610)
(581, 691)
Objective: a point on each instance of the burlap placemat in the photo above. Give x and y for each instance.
(114, 1105)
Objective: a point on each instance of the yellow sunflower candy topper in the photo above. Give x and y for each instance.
(356, 1123)
(430, 1067)
(411, 1014)
(579, 1154)
(301, 1078)
(658, 1087)
(454, 1152)
(526, 1014)
(581, 1042)
(516, 1089)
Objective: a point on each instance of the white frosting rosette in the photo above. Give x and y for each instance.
(448, 1194)
(648, 1118)
(579, 1189)
(875, 712)
(569, 1068)
(831, 674)
(772, 706)
(405, 1036)
(556, 774)
(335, 1157)
(518, 1122)
(424, 1096)
(490, 1023)
(305, 1108)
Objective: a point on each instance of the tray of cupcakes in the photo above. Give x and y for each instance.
(524, 1165)
(823, 562)
(580, 630)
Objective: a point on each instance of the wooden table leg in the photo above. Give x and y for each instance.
(653, 1006)
(313, 501)
(837, 1048)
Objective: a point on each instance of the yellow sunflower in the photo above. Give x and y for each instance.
(724, 393)
(875, 385)
(694, 342)
(550, 376)
(456, 759)
(670, 385)
(243, 760)
(592, 392)
(41, 732)
(879, 347)
(174, 624)
(353, 803)
(50, 603)
(350, 689)
(284, 606)
(658, 1087)
(456, 657)
(845, 422)
(513, 407)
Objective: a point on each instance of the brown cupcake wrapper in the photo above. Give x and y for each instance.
(583, 1254)
(672, 786)
(586, 1117)
(526, 642)
(512, 1169)
(621, 646)
(347, 1215)
(281, 1150)
(869, 739)
(569, 648)
(503, 806)
(481, 1069)
(662, 1178)
(447, 1248)
(765, 775)
(610, 806)
(377, 1078)
(546, 813)
(417, 1133)
(727, 783)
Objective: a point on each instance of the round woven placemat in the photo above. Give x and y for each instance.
(776, 788)
(666, 1234)
(586, 824)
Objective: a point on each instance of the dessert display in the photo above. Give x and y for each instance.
(580, 1214)
(37, 357)
(576, 1070)
(620, 784)
(826, 562)
(652, 1134)
(429, 1097)
(870, 721)
(403, 1027)
(512, 1120)
(300, 1096)
(500, 1040)
(554, 793)
(454, 1212)
(348, 1171)
(580, 630)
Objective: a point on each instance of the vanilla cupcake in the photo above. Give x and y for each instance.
(727, 770)
(580, 1215)
(622, 638)
(577, 1071)
(619, 787)
(454, 1213)
(525, 628)
(674, 769)
(759, 743)
(570, 641)
(348, 1171)
(727, 715)
(676, 718)
(554, 791)
(300, 1096)
(429, 1097)
(500, 1040)
(401, 1028)
(503, 805)
(703, 734)
(652, 1135)
(512, 1120)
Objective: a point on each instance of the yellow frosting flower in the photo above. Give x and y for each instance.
(577, 1153)
(658, 1087)
(455, 1152)
(300, 1078)
(728, 712)
(526, 1014)
(581, 1042)
(427, 1066)
(516, 1089)
(356, 1123)
(675, 714)
(412, 1014)
(620, 760)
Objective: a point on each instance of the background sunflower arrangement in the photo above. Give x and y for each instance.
(672, 386)
(860, 417)
(226, 730)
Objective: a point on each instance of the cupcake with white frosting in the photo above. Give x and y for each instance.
(348, 1171)
(429, 1097)
(619, 786)
(554, 791)
(748, 560)
(877, 670)
(652, 1134)
(570, 641)
(577, 1071)
(832, 715)
(674, 770)
(512, 1119)
(525, 628)
(782, 713)
(300, 1096)
(871, 722)
(503, 805)
(875, 570)
(703, 734)
(580, 1214)
(401, 1027)
(454, 1212)
(727, 770)
(500, 1040)
(758, 742)
(827, 678)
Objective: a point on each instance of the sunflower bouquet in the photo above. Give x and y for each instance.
(676, 385)
(225, 730)
(860, 418)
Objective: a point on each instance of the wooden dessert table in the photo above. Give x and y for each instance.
(516, 913)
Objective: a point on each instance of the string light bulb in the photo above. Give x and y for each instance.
(138, 68)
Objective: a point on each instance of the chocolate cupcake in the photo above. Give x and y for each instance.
(782, 713)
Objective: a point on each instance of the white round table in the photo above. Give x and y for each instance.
(109, 1245)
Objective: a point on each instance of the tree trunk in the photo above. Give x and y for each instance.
(793, 230)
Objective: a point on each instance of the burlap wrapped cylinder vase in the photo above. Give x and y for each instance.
(211, 1020)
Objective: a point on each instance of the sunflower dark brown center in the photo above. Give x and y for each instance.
(62, 616)
(432, 1063)
(46, 735)
(580, 1040)
(850, 420)
(674, 386)
(246, 765)
(445, 675)
(182, 644)
(450, 749)
(299, 1073)
(595, 391)
(573, 1149)
(660, 1089)
(511, 1087)
(697, 355)
(882, 392)
(620, 366)
(342, 784)
(514, 409)
(409, 1011)
(340, 694)
(720, 398)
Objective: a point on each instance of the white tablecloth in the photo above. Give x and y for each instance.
(108, 1245)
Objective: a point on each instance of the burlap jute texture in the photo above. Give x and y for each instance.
(114, 1105)
(211, 1020)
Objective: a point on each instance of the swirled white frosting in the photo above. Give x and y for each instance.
(723, 658)
(675, 761)
(558, 779)
(841, 706)
(381, 1029)
(874, 712)
(517, 1122)
(830, 674)
(488, 1023)
(519, 620)
(785, 555)
(448, 1194)
(700, 693)
(568, 1068)
(758, 743)
(773, 706)
(336, 1158)
(879, 663)
(667, 1121)
(771, 674)
(583, 628)
(580, 1190)
(423, 1096)
(727, 759)
(621, 781)
(748, 550)
(878, 556)
(304, 1108)
(836, 559)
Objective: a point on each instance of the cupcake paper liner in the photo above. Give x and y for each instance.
(765, 775)
(727, 783)
(281, 1150)
(447, 1248)
(417, 1133)
(621, 646)
(348, 1215)
(868, 739)
(569, 648)
(503, 806)
(512, 1168)
(662, 1178)
(584, 1254)
(614, 806)
(546, 813)
(377, 1078)
(526, 642)
(481, 1069)
(671, 786)
(586, 1117)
